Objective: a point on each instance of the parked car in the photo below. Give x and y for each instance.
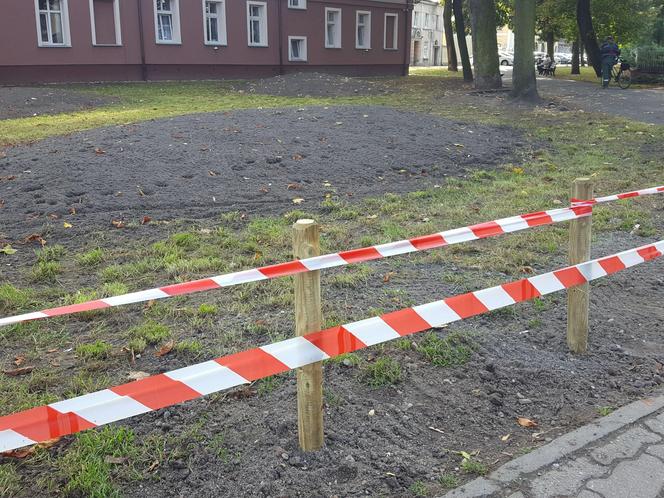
(538, 56)
(506, 59)
(562, 57)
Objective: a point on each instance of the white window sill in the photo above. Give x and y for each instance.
(390, 49)
(216, 44)
(330, 46)
(166, 42)
(55, 45)
(258, 45)
(362, 48)
(297, 60)
(107, 44)
(297, 8)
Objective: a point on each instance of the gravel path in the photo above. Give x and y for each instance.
(646, 105)
(257, 160)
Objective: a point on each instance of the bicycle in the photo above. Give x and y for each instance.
(621, 73)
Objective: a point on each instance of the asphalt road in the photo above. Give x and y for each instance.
(646, 105)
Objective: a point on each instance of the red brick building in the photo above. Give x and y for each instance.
(119, 40)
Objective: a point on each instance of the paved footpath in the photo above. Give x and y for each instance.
(618, 456)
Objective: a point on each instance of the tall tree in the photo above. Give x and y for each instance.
(485, 44)
(457, 5)
(588, 36)
(452, 61)
(524, 83)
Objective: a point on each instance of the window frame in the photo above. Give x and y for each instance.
(263, 24)
(395, 31)
(302, 6)
(221, 25)
(175, 24)
(64, 19)
(116, 21)
(290, 52)
(339, 31)
(367, 29)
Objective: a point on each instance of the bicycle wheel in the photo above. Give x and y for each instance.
(625, 79)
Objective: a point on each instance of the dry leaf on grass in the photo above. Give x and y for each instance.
(18, 371)
(8, 250)
(298, 201)
(505, 437)
(166, 348)
(22, 453)
(35, 237)
(526, 422)
(19, 360)
(293, 186)
(72, 210)
(388, 276)
(118, 223)
(146, 220)
(67, 225)
(99, 151)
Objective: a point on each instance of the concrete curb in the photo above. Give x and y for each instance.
(559, 448)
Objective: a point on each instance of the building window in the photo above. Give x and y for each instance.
(427, 21)
(425, 50)
(297, 48)
(390, 35)
(297, 4)
(416, 19)
(105, 22)
(167, 21)
(332, 28)
(363, 29)
(52, 23)
(257, 24)
(215, 22)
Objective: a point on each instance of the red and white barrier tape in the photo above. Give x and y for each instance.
(159, 391)
(449, 237)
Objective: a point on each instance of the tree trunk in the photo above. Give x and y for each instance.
(485, 44)
(549, 44)
(524, 83)
(575, 56)
(452, 61)
(585, 21)
(461, 40)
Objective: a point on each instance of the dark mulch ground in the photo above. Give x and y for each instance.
(20, 102)
(257, 160)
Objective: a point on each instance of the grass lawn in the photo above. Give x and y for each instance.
(565, 147)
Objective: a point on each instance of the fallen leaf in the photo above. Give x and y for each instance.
(54, 216)
(243, 393)
(153, 465)
(26, 452)
(35, 237)
(166, 348)
(297, 157)
(99, 151)
(72, 210)
(137, 375)
(212, 173)
(294, 186)
(517, 171)
(118, 223)
(265, 190)
(2, 203)
(526, 422)
(461, 146)
(505, 437)
(19, 360)
(18, 371)
(7, 178)
(8, 250)
(67, 225)
(146, 220)
(55, 350)
(372, 217)
(528, 269)
(387, 277)
(298, 201)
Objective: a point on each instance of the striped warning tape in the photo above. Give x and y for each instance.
(449, 237)
(159, 391)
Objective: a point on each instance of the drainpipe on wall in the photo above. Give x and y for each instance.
(407, 37)
(144, 67)
(281, 38)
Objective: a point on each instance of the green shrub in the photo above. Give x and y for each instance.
(384, 371)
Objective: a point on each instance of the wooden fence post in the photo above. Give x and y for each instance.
(308, 318)
(578, 298)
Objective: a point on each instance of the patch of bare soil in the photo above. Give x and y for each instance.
(307, 84)
(22, 101)
(256, 160)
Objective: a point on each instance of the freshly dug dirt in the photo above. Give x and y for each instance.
(317, 85)
(257, 160)
(20, 102)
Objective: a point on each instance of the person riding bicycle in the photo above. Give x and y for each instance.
(610, 52)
